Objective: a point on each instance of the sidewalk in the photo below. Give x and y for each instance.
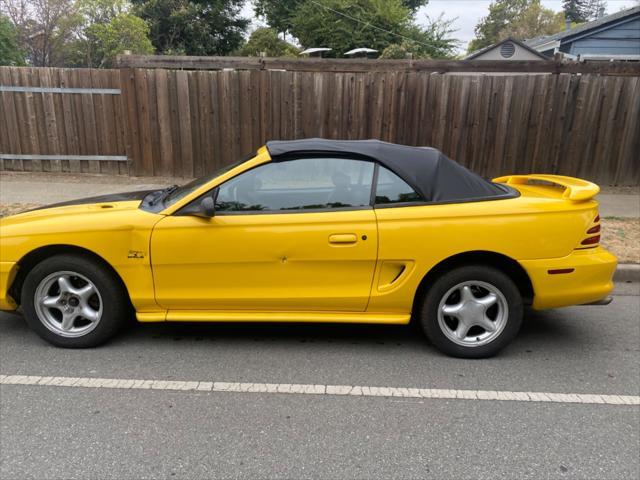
(45, 188)
(623, 206)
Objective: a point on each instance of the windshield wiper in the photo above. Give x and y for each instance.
(159, 195)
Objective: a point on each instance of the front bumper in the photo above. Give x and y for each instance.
(591, 279)
(7, 274)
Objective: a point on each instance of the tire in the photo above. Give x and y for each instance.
(74, 301)
(472, 312)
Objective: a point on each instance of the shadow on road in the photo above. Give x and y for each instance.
(549, 329)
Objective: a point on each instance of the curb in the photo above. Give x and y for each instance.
(627, 272)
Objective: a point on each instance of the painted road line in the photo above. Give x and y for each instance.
(304, 389)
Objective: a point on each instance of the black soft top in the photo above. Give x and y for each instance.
(433, 175)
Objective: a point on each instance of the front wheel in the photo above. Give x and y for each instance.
(472, 312)
(74, 301)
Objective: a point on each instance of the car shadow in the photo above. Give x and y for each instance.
(538, 329)
(548, 331)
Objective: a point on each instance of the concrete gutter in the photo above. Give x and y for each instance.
(627, 272)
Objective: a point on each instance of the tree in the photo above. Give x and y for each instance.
(398, 51)
(501, 14)
(436, 40)
(574, 10)
(414, 5)
(580, 11)
(45, 27)
(266, 40)
(433, 41)
(279, 13)
(106, 40)
(534, 22)
(107, 29)
(10, 52)
(369, 23)
(101, 11)
(194, 27)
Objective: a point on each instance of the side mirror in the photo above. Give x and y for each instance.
(207, 207)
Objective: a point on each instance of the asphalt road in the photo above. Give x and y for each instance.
(67, 432)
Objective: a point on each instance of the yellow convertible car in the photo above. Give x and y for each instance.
(313, 231)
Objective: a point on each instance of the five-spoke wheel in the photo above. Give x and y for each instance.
(74, 300)
(68, 304)
(472, 311)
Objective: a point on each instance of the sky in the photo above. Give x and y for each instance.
(468, 13)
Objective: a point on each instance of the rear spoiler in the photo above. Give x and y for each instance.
(575, 189)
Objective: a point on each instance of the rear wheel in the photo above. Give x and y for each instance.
(472, 312)
(73, 301)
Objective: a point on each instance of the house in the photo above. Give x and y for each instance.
(611, 37)
(507, 49)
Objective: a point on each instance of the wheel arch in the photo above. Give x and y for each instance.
(502, 262)
(31, 259)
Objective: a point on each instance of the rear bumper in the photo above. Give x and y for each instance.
(590, 280)
(7, 274)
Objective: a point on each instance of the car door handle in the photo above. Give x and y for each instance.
(343, 238)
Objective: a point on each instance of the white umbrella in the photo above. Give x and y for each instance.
(355, 51)
(309, 51)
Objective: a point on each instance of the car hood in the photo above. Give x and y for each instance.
(92, 205)
(111, 198)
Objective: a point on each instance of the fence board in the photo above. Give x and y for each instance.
(69, 122)
(9, 110)
(165, 161)
(184, 115)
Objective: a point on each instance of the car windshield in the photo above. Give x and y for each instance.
(180, 192)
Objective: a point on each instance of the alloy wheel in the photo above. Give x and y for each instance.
(473, 313)
(68, 304)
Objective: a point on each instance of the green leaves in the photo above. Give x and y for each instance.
(123, 32)
(580, 11)
(346, 24)
(194, 27)
(266, 40)
(10, 51)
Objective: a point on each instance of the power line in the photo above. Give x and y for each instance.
(368, 24)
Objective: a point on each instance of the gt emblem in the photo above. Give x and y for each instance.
(135, 254)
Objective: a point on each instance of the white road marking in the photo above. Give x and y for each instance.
(303, 389)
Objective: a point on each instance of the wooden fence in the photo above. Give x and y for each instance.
(190, 122)
(68, 120)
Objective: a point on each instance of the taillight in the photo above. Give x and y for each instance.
(592, 241)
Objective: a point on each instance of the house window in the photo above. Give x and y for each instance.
(507, 50)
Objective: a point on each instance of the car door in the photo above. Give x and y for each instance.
(286, 236)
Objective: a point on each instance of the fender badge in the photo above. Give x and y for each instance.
(135, 254)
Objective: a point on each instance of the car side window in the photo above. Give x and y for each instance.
(390, 188)
(301, 184)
